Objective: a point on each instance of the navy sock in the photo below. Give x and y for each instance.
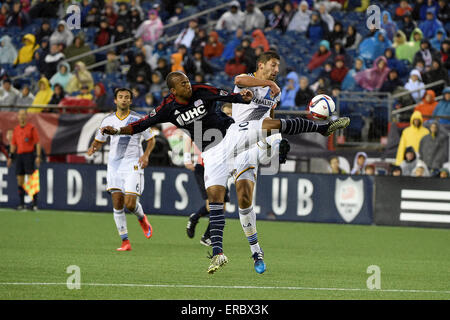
(300, 125)
(21, 192)
(217, 222)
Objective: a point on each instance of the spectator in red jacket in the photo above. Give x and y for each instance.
(103, 36)
(339, 70)
(238, 64)
(213, 47)
(320, 56)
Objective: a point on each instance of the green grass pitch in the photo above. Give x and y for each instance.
(304, 260)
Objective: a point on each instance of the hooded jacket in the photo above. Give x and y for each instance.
(443, 108)
(411, 136)
(177, 60)
(27, 51)
(65, 37)
(390, 26)
(300, 20)
(42, 97)
(337, 75)
(421, 164)
(259, 39)
(150, 30)
(373, 78)
(229, 21)
(430, 27)
(433, 149)
(414, 85)
(58, 77)
(372, 47)
(288, 95)
(427, 108)
(404, 50)
(214, 49)
(8, 52)
(80, 77)
(435, 42)
(408, 166)
(356, 168)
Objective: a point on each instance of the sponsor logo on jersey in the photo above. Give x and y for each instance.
(191, 115)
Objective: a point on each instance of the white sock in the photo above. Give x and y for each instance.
(121, 223)
(138, 211)
(248, 223)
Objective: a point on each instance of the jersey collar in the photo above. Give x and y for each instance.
(124, 116)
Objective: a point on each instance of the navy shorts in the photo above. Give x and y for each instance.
(199, 177)
(25, 163)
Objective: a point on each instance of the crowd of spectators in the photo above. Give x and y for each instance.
(411, 42)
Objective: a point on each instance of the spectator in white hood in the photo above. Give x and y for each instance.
(62, 34)
(253, 17)
(232, 19)
(301, 18)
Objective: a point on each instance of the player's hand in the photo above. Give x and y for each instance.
(189, 166)
(91, 150)
(143, 161)
(247, 95)
(9, 162)
(274, 89)
(38, 161)
(109, 130)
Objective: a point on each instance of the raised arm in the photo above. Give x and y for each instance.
(245, 80)
(140, 125)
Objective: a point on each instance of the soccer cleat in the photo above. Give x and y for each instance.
(217, 261)
(146, 227)
(20, 207)
(337, 124)
(205, 241)
(126, 246)
(190, 228)
(260, 266)
(284, 150)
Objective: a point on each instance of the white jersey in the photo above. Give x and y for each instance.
(125, 150)
(260, 106)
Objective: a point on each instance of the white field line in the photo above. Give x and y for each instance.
(216, 287)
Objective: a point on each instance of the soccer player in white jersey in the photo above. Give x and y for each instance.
(126, 163)
(266, 96)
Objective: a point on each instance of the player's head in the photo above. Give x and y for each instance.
(123, 98)
(268, 65)
(22, 116)
(179, 85)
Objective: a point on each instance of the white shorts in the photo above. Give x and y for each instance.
(263, 152)
(125, 182)
(220, 160)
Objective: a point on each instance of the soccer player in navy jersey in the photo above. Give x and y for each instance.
(193, 108)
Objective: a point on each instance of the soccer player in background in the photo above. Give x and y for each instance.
(26, 150)
(193, 107)
(126, 164)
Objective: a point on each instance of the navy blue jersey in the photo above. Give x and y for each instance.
(199, 112)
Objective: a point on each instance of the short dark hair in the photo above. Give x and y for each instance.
(116, 92)
(266, 56)
(170, 78)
